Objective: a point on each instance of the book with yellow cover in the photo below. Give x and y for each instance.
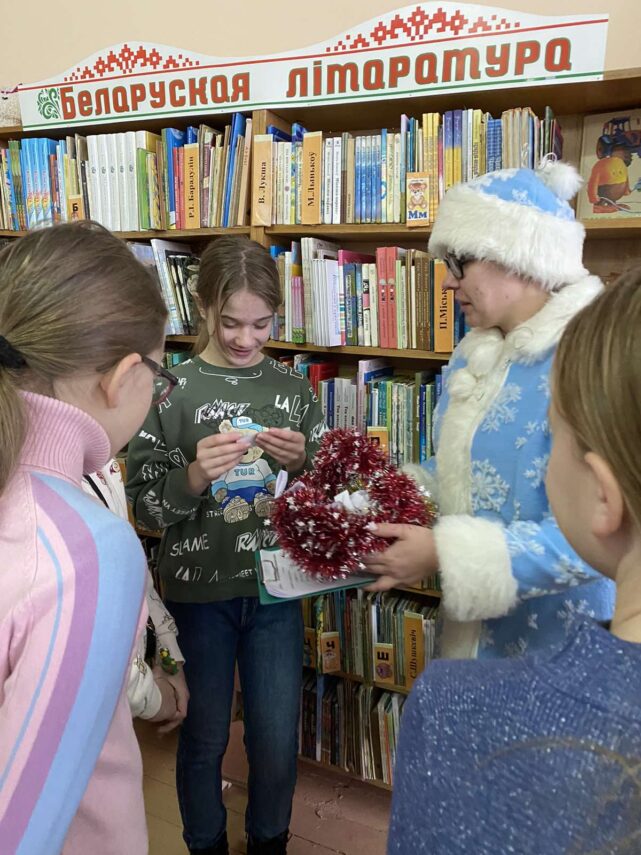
(262, 180)
(312, 178)
(443, 311)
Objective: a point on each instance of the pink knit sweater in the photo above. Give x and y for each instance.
(72, 578)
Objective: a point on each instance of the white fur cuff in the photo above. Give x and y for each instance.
(422, 477)
(476, 571)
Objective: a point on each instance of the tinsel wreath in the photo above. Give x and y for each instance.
(324, 519)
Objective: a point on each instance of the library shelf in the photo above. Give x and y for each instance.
(374, 782)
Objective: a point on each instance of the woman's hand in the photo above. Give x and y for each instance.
(287, 447)
(215, 455)
(406, 562)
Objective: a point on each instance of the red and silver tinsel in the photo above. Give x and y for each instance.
(324, 519)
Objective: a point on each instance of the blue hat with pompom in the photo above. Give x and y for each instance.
(518, 218)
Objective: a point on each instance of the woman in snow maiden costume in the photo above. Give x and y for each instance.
(511, 582)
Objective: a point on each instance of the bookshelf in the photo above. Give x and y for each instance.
(374, 782)
(419, 355)
(611, 244)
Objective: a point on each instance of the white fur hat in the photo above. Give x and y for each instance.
(518, 218)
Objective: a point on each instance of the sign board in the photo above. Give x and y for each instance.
(415, 51)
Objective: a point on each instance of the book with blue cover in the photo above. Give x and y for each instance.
(172, 138)
(237, 130)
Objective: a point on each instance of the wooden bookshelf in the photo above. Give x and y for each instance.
(169, 234)
(180, 339)
(375, 782)
(424, 355)
(353, 678)
(629, 227)
(353, 231)
(141, 531)
(425, 592)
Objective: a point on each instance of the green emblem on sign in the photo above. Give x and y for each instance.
(49, 104)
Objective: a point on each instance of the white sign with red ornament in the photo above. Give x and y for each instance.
(419, 50)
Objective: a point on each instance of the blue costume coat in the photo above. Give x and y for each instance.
(511, 582)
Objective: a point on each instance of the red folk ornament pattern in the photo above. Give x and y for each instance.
(323, 536)
(131, 60)
(421, 24)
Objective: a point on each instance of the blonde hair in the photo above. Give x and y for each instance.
(596, 382)
(232, 264)
(72, 298)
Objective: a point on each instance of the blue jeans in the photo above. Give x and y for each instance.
(267, 641)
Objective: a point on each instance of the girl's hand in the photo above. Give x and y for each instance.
(181, 693)
(168, 706)
(215, 455)
(406, 562)
(287, 447)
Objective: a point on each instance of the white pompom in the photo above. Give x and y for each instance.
(462, 385)
(562, 178)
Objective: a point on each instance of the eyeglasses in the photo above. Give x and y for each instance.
(454, 264)
(164, 381)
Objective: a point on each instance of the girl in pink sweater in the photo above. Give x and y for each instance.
(81, 328)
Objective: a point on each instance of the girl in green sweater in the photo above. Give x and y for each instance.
(203, 468)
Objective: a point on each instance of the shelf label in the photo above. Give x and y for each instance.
(309, 652)
(330, 652)
(417, 50)
(384, 663)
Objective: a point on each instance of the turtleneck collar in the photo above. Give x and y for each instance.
(61, 439)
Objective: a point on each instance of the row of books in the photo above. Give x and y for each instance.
(132, 181)
(176, 268)
(354, 727)
(385, 638)
(395, 409)
(172, 358)
(392, 299)
(305, 177)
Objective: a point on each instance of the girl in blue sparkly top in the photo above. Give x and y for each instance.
(542, 756)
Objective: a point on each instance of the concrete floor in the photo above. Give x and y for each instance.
(332, 815)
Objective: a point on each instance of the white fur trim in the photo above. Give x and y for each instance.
(475, 566)
(458, 640)
(524, 240)
(473, 388)
(422, 477)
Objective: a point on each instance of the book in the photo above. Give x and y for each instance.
(172, 139)
(191, 186)
(611, 166)
(418, 195)
(312, 178)
(443, 311)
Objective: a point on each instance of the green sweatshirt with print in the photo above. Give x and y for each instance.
(210, 541)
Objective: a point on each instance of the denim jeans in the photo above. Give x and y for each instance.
(267, 642)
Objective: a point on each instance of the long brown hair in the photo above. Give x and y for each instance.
(72, 298)
(596, 382)
(228, 265)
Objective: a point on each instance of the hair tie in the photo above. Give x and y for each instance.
(9, 356)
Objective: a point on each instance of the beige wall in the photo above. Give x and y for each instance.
(41, 39)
